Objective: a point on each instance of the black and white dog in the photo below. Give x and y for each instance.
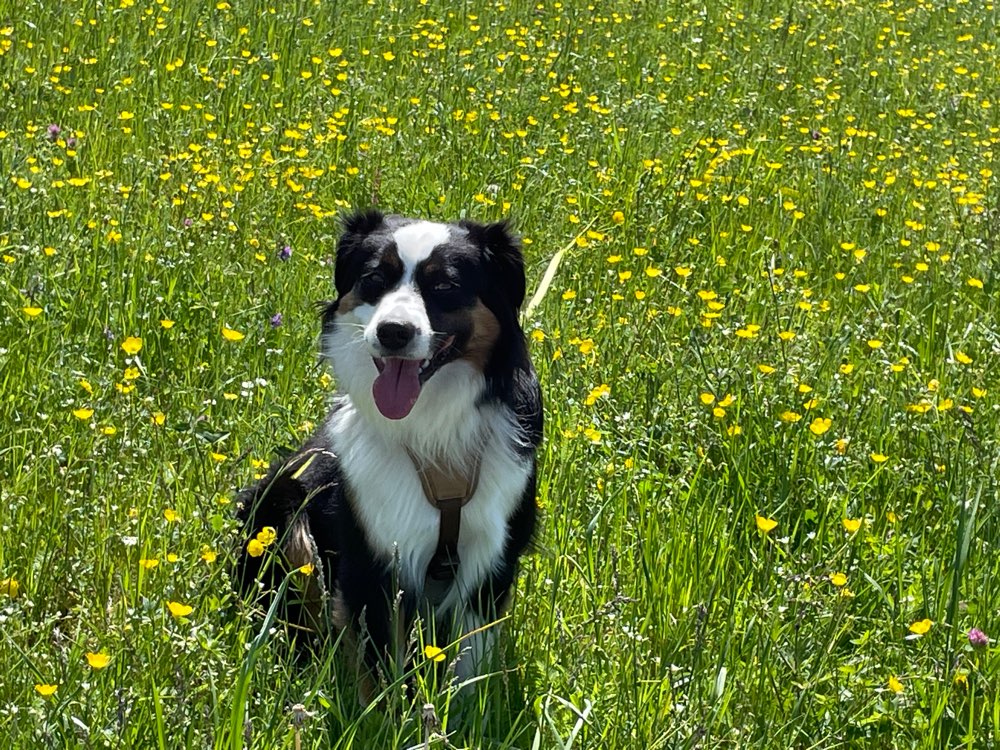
(417, 493)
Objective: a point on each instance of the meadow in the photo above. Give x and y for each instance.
(769, 352)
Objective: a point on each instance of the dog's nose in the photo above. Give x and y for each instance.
(395, 336)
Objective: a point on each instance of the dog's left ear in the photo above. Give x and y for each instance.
(502, 249)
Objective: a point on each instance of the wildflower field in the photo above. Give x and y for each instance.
(769, 353)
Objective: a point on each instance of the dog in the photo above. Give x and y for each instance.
(416, 495)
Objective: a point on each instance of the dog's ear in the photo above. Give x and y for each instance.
(362, 222)
(356, 227)
(502, 250)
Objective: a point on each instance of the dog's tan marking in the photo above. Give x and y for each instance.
(300, 549)
(485, 331)
(348, 302)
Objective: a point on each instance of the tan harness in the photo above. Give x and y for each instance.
(448, 491)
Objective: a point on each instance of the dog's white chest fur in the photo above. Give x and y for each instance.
(389, 501)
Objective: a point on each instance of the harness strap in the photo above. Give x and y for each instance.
(448, 491)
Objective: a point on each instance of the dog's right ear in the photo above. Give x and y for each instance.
(362, 222)
(350, 258)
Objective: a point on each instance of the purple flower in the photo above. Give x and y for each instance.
(54, 131)
(276, 320)
(188, 221)
(285, 253)
(978, 638)
(71, 142)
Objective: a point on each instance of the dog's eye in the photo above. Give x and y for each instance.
(371, 284)
(445, 286)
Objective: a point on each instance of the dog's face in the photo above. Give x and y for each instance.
(420, 307)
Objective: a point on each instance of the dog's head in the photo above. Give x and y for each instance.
(423, 309)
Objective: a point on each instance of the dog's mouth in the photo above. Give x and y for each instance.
(399, 380)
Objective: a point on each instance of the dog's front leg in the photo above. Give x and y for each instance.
(379, 617)
(480, 624)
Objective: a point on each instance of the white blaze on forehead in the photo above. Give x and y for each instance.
(416, 241)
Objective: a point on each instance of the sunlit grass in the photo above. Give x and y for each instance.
(769, 354)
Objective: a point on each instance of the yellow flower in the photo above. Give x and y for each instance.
(602, 390)
(895, 685)
(790, 416)
(963, 358)
(921, 627)
(132, 345)
(706, 398)
(975, 283)
(208, 554)
(83, 414)
(230, 335)
(434, 653)
(46, 690)
(9, 587)
(851, 525)
(167, 324)
(820, 425)
(148, 562)
(255, 548)
(874, 344)
(618, 217)
(98, 660)
(267, 536)
(569, 294)
(765, 524)
(32, 312)
(879, 458)
(838, 579)
(179, 610)
(171, 515)
(307, 569)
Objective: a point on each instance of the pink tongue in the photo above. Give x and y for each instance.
(396, 388)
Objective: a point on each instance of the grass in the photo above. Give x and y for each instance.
(769, 356)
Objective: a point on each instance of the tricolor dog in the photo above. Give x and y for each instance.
(417, 493)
